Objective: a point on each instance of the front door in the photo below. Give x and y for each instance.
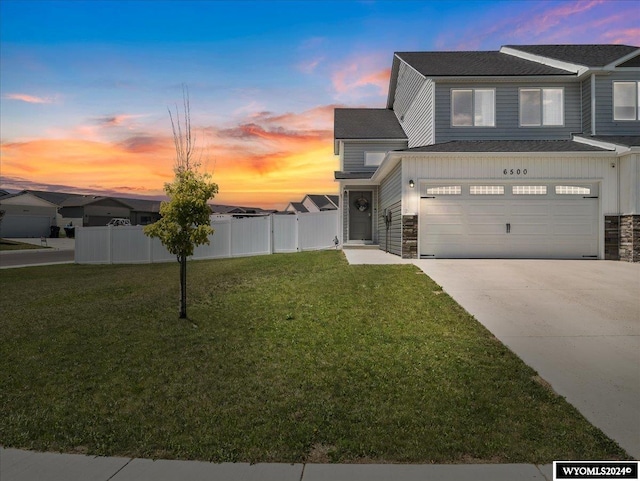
(360, 215)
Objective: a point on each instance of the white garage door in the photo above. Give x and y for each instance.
(509, 221)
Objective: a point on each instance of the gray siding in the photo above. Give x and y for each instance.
(418, 121)
(605, 125)
(391, 240)
(407, 88)
(353, 153)
(586, 106)
(391, 199)
(507, 114)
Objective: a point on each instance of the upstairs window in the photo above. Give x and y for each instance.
(473, 107)
(626, 100)
(541, 107)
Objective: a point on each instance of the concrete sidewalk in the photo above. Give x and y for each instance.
(17, 465)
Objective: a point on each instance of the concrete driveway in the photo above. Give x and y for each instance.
(575, 322)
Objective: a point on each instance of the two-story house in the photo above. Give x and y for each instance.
(532, 151)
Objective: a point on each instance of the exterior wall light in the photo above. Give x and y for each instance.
(412, 184)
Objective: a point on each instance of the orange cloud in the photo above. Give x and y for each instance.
(31, 99)
(266, 162)
(355, 79)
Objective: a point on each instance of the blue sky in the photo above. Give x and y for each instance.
(85, 86)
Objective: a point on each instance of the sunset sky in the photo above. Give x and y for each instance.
(85, 86)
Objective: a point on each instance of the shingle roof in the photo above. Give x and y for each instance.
(343, 175)
(475, 64)
(298, 206)
(367, 124)
(588, 55)
(632, 62)
(507, 146)
(323, 202)
(626, 140)
(54, 197)
(141, 205)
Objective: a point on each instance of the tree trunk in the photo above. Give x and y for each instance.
(183, 286)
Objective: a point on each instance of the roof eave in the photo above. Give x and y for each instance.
(617, 62)
(551, 62)
(618, 148)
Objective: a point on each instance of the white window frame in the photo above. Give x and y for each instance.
(528, 190)
(374, 158)
(473, 107)
(542, 119)
(637, 103)
(486, 189)
(444, 190)
(564, 189)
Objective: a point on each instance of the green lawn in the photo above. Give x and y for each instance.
(8, 245)
(289, 358)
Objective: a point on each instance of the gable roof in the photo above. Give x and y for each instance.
(475, 64)
(595, 55)
(54, 197)
(13, 199)
(632, 62)
(84, 200)
(297, 207)
(367, 124)
(362, 124)
(323, 202)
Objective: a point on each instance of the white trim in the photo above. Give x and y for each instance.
(505, 79)
(636, 91)
(617, 148)
(615, 63)
(570, 67)
(473, 108)
(348, 241)
(393, 158)
(542, 124)
(408, 65)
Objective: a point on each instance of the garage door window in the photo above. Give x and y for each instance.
(529, 190)
(572, 190)
(486, 190)
(445, 190)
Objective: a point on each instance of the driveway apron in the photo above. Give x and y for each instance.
(575, 322)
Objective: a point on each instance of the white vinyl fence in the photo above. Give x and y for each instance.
(232, 237)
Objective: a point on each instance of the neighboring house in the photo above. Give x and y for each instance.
(26, 215)
(314, 203)
(236, 210)
(296, 208)
(142, 211)
(532, 151)
(94, 210)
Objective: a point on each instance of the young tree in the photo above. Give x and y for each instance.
(185, 221)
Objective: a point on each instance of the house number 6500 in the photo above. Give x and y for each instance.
(514, 171)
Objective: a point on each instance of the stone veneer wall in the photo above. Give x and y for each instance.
(612, 237)
(409, 236)
(630, 238)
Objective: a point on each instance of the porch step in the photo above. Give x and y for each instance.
(361, 246)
